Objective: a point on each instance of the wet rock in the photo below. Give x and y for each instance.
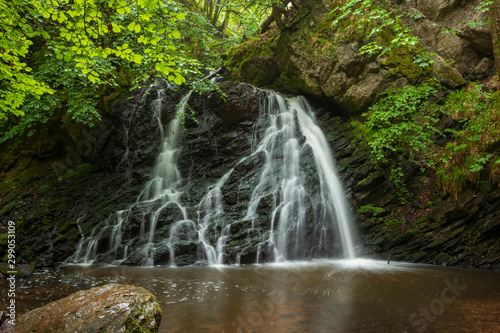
(109, 308)
(20, 270)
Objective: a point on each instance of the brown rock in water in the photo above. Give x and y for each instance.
(109, 308)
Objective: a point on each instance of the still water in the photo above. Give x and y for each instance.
(314, 296)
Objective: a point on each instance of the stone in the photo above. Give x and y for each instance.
(446, 74)
(360, 96)
(109, 308)
(21, 270)
(436, 9)
(483, 67)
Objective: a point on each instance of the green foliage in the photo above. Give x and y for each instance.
(84, 33)
(380, 23)
(483, 6)
(473, 146)
(394, 221)
(402, 123)
(84, 53)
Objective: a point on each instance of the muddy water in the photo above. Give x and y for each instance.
(316, 296)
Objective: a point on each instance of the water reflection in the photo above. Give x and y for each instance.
(316, 296)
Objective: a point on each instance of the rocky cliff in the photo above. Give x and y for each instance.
(322, 61)
(60, 184)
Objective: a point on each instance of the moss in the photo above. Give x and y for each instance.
(370, 209)
(448, 77)
(417, 256)
(401, 63)
(254, 61)
(442, 258)
(79, 169)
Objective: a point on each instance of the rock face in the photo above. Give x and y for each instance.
(53, 210)
(56, 199)
(322, 62)
(109, 308)
(69, 181)
(431, 228)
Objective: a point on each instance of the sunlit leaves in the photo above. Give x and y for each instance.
(82, 29)
(385, 31)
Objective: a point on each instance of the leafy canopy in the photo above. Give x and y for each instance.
(83, 32)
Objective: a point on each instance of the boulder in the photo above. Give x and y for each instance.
(109, 308)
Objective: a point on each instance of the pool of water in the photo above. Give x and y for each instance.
(314, 296)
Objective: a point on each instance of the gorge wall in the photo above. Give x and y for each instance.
(67, 178)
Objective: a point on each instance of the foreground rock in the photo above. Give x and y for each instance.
(109, 308)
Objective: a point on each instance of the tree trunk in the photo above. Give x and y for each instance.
(274, 17)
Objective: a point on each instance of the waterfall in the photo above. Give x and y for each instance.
(162, 191)
(210, 212)
(332, 189)
(288, 138)
(296, 208)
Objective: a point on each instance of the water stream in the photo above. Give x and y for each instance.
(160, 192)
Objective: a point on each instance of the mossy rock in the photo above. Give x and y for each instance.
(254, 60)
(108, 308)
(19, 271)
(443, 258)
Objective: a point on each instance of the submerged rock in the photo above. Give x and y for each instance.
(109, 308)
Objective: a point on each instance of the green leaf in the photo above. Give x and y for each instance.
(178, 80)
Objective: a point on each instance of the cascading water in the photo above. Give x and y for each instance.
(296, 210)
(332, 189)
(303, 220)
(160, 192)
(211, 213)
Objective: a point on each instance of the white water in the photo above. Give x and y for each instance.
(306, 212)
(210, 212)
(334, 191)
(283, 184)
(163, 188)
(160, 192)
